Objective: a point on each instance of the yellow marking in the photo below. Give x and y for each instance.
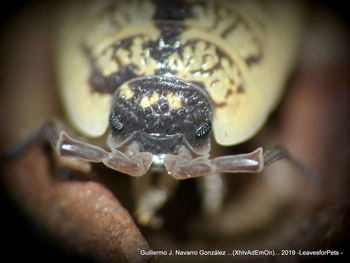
(217, 73)
(144, 103)
(154, 98)
(149, 101)
(105, 63)
(174, 101)
(126, 92)
(111, 60)
(243, 30)
(240, 29)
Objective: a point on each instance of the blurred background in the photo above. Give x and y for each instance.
(55, 218)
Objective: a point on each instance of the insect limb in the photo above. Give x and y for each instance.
(76, 154)
(181, 168)
(151, 192)
(184, 169)
(279, 152)
(137, 165)
(49, 131)
(241, 163)
(73, 151)
(212, 190)
(274, 154)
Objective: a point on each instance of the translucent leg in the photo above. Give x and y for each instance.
(181, 168)
(69, 148)
(150, 196)
(279, 152)
(212, 189)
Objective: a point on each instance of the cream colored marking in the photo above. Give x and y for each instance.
(233, 22)
(201, 61)
(174, 101)
(126, 92)
(244, 30)
(154, 98)
(105, 63)
(275, 31)
(149, 101)
(110, 58)
(115, 20)
(96, 24)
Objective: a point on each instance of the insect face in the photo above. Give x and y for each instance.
(162, 74)
(160, 114)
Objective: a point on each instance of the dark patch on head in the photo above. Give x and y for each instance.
(172, 10)
(168, 42)
(161, 123)
(109, 84)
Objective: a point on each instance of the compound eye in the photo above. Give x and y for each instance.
(114, 122)
(204, 129)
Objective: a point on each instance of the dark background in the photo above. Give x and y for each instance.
(19, 239)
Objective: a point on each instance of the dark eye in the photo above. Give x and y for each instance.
(116, 125)
(204, 129)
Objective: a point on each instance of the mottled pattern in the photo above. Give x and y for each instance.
(226, 20)
(175, 111)
(212, 67)
(167, 44)
(238, 52)
(195, 58)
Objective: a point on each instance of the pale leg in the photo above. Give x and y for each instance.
(150, 196)
(212, 190)
(75, 151)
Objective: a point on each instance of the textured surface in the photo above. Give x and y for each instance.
(75, 210)
(278, 210)
(228, 48)
(165, 108)
(82, 215)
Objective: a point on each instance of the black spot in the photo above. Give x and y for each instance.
(116, 125)
(172, 10)
(164, 106)
(204, 129)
